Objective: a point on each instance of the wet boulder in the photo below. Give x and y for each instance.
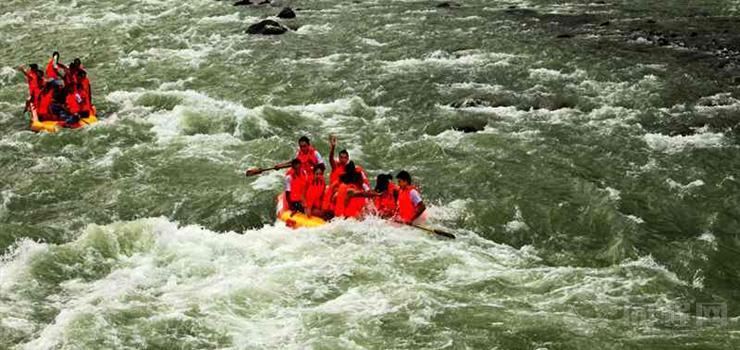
(286, 12)
(267, 27)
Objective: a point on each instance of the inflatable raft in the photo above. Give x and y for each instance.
(51, 126)
(295, 219)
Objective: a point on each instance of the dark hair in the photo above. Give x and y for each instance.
(55, 53)
(350, 176)
(320, 166)
(304, 139)
(77, 62)
(344, 151)
(295, 162)
(404, 175)
(34, 66)
(350, 167)
(382, 181)
(81, 73)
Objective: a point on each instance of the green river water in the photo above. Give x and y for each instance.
(597, 203)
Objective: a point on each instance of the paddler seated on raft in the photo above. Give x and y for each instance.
(338, 164)
(295, 186)
(55, 70)
(34, 77)
(410, 205)
(351, 194)
(314, 203)
(386, 196)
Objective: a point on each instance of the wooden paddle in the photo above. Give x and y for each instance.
(433, 230)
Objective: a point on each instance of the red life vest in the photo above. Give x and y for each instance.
(315, 193)
(297, 186)
(51, 72)
(308, 159)
(385, 204)
(86, 90)
(34, 88)
(337, 172)
(350, 207)
(73, 102)
(44, 103)
(406, 208)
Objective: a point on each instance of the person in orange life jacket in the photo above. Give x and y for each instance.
(307, 155)
(46, 97)
(410, 205)
(55, 70)
(70, 78)
(77, 102)
(337, 165)
(34, 77)
(81, 78)
(386, 196)
(58, 105)
(295, 186)
(351, 193)
(315, 190)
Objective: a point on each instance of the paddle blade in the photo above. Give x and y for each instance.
(253, 171)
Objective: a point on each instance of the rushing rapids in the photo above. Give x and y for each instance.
(585, 153)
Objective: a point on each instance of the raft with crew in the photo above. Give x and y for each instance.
(307, 200)
(59, 97)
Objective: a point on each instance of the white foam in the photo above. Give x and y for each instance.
(674, 144)
(314, 29)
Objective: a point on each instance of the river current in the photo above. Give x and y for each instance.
(585, 153)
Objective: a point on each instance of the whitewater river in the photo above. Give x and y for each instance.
(585, 153)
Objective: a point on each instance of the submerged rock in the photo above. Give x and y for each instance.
(447, 4)
(251, 2)
(286, 12)
(267, 27)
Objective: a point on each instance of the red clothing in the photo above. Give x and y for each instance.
(337, 172)
(350, 207)
(86, 90)
(315, 193)
(296, 185)
(45, 101)
(34, 86)
(385, 204)
(406, 207)
(51, 71)
(308, 159)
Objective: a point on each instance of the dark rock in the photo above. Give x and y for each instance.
(512, 7)
(662, 41)
(249, 2)
(693, 34)
(651, 21)
(604, 24)
(243, 2)
(468, 128)
(267, 27)
(286, 12)
(447, 4)
(564, 36)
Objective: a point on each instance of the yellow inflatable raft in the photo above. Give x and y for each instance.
(295, 219)
(52, 126)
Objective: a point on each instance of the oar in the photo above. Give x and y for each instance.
(257, 171)
(433, 230)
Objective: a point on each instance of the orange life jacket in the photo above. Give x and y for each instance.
(308, 159)
(385, 204)
(74, 102)
(297, 185)
(51, 72)
(34, 87)
(44, 103)
(315, 193)
(337, 172)
(406, 208)
(350, 207)
(86, 90)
